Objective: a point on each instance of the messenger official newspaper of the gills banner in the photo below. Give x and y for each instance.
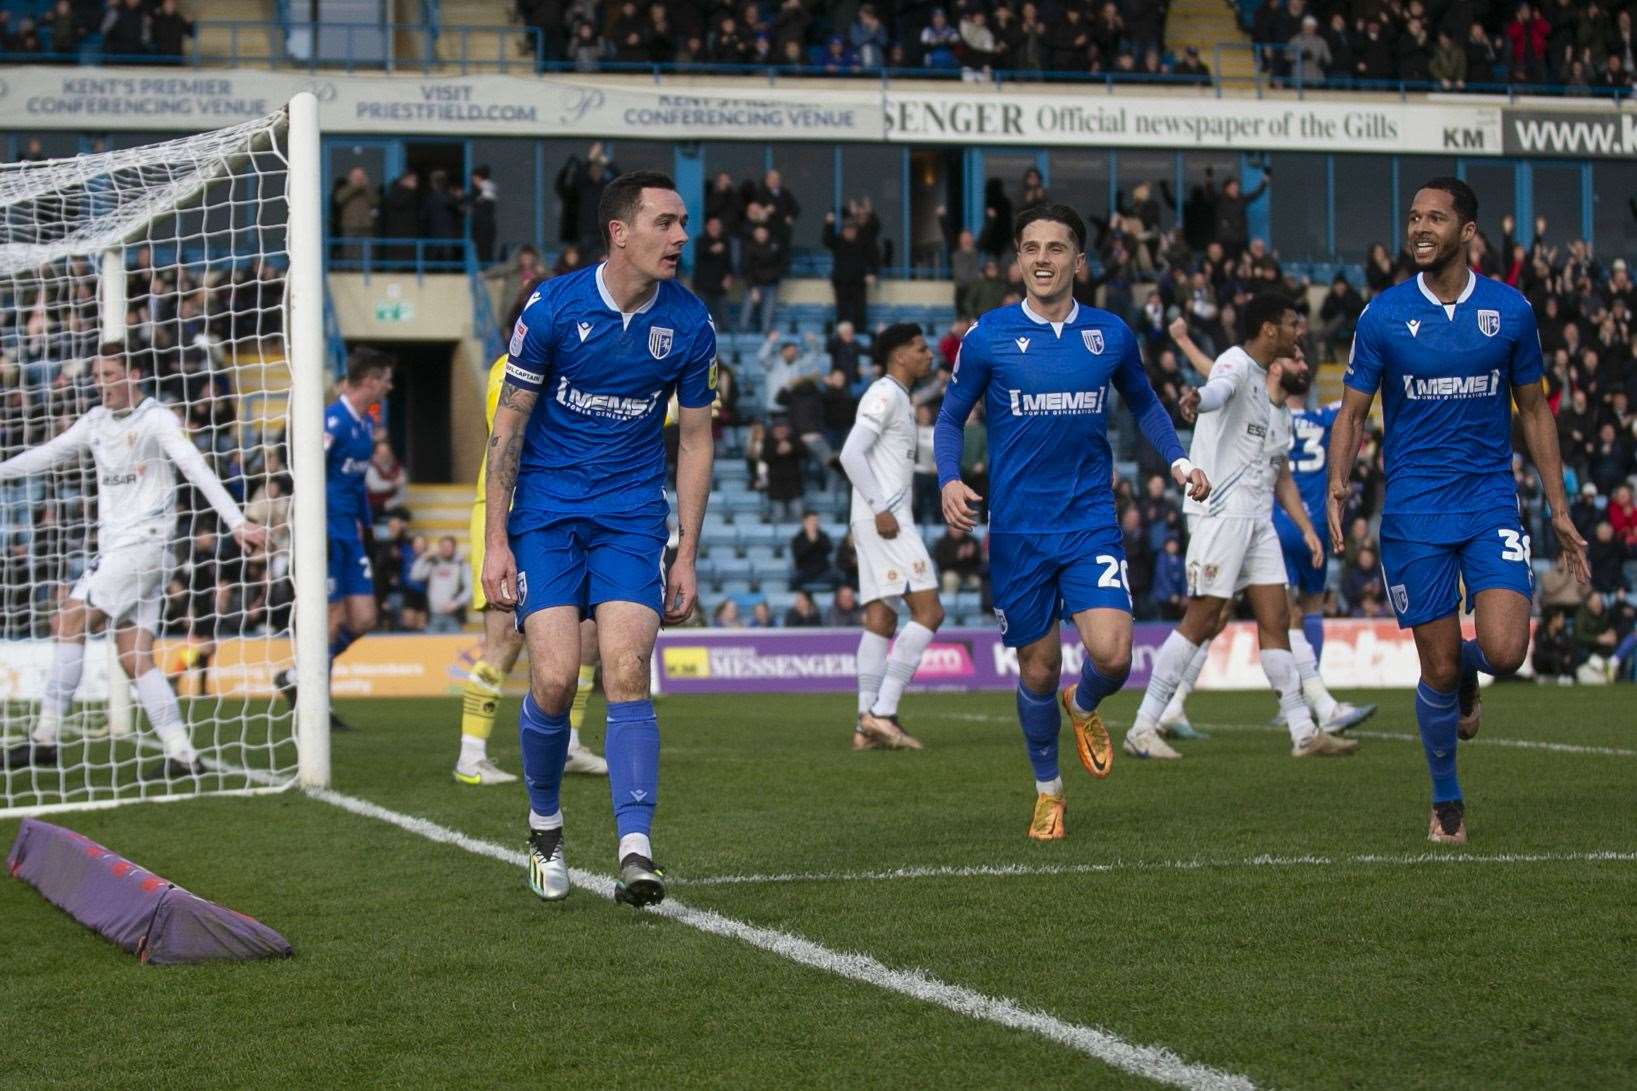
(106, 99)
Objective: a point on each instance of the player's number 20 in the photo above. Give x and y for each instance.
(1114, 574)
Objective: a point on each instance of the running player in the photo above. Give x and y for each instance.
(582, 476)
(137, 446)
(1449, 351)
(1288, 383)
(1043, 369)
(349, 442)
(879, 457)
(502, 644)
(1242, 440)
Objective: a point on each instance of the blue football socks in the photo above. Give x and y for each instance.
(1313, 629)
(1094, 686)
(631, 745)
(544, 740)
(1041, 721)
(1436, 713)
(1473, 658)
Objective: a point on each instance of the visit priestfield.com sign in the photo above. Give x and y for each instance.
(104, 99)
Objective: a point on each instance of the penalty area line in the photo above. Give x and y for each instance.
(1151, 1062)
(1003, 871)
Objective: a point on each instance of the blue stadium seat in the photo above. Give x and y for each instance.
(742, 503)
(734, 589)
(732, 469)
(760, 534)
(732, 568)
(762, 556)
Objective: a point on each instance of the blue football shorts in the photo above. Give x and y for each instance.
(584, 560)
(1299, 570)
(350, 571)
(1039, 579)
(1423, 555)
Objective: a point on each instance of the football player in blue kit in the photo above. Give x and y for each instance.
(1043, 369)
(577, 460)
(1450, 351)
(349, 441)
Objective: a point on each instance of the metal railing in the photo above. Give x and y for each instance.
(370, 255)
(268, 45)
(1273, 68)
(484, 323)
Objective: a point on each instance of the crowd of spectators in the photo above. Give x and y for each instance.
(406, 211)
(129, 32)
(1583, 46)
(844, 37)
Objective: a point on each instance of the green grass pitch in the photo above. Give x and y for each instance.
(1363, 965)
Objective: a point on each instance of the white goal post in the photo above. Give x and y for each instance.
(202, 258)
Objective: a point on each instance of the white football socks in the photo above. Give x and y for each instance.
(1053, 787)
(1307, 666)
(871, 662)
(165, 714)
(552, 821)
(637, 843)
(1280, 667)
(1173, 659)
(67, 665)
(906, 656)
(1190, 675)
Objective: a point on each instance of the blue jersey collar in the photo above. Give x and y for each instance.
(1057, 327)
(1448, 308)
(608, 300)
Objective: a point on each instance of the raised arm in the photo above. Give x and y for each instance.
(1155, 423)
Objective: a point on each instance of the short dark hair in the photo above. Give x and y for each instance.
(114, 350)
(1062, 214)
(1461, 196)
(1263, 308)
(623, 196)
(363, 361)
(892, 339)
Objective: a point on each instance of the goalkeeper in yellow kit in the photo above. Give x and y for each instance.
(502, 644)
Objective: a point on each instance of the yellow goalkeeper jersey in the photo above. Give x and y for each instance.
(491, 398)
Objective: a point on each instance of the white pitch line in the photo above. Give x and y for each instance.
(1151, 1062)
(975, 871)
(1391, 736)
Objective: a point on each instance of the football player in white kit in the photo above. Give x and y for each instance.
(137, 445)
(879, 458)
(1288, 383)
(1241, 441)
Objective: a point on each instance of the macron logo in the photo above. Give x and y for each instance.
(1414, 324)
(1057, 403)
(1022, 344)
(584, 328)
(1452, 386)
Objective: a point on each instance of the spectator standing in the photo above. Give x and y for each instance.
(124, 29)
(780, 468)
(1169, 588)
(1308, 53)
(811, 551)
(781, 205)
(168, 32)
(401, 215)
(357, 205)
(868, 38)
(845, 350)
(713, 271)
(1449, 64)
(1231, 229)
(385, 480)
(440, 216)
(782, 363)
(448, 581)
(939, 42)
(852, 269)
(764, 265)
(1338, 317)
(66, 30)
(482, 206)
(965, 263)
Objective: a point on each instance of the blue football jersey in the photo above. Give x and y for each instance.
(1309, 451)
(1045, 392)
(593, 443)
(1446, 374)
(349, 441)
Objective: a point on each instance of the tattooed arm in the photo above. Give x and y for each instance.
(501, 462)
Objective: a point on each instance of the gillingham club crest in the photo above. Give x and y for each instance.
(659, 342)
(1489, 322)
(1093, 340)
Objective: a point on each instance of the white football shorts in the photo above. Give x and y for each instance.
(128, 585)
(1228, 553)
(889, 568)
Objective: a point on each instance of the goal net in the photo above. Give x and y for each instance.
(139, 640)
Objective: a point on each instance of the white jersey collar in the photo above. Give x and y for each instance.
(346, 403)
(608, 300)
(1448, 308)
(1057, 327)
